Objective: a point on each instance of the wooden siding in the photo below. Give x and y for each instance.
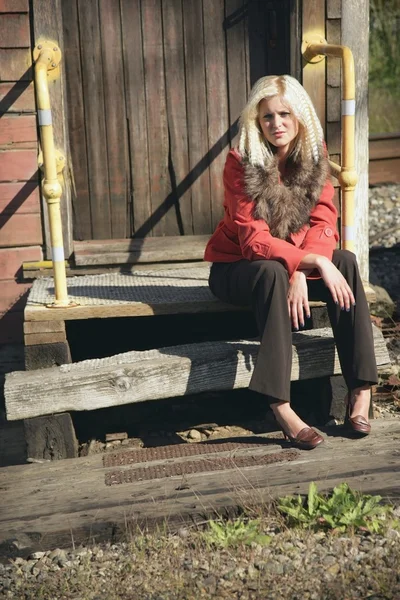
(155, 90)
(20, 214)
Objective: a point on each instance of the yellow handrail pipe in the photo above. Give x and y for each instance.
(47, 56)
(314, 49)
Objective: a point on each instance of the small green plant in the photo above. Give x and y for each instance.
(235, 532)
(341, 510)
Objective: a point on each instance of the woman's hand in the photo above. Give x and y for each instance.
(336, 283)
(298, 299)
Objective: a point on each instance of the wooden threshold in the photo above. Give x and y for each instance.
(145, 250)
(64, 502)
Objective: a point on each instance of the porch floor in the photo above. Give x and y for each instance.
(139, 293)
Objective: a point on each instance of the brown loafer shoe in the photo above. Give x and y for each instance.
(306, 439)
(358, 424)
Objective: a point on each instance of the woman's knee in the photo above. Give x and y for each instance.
(272, 273)
(345, 259)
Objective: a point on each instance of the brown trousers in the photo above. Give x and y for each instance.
(264, 285)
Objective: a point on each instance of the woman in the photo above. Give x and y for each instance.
(275, 250)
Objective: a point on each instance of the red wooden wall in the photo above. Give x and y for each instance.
(20, 212)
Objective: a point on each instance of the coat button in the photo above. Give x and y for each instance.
(328, 232)
(256, 247)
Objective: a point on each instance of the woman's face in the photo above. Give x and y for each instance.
(278, 124)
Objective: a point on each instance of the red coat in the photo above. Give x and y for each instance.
(240, 236)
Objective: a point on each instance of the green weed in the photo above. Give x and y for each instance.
(235, 532)
(341, 510)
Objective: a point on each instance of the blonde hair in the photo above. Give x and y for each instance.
(308, 144)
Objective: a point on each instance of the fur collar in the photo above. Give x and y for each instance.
(285, 206)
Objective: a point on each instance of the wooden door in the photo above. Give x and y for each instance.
(155, 88)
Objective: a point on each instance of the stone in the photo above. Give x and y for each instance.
(195, 435)
(383, 305)
(57, 553)
(37, 555)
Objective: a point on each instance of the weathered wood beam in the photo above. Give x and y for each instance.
(163, 373)
(47, 505)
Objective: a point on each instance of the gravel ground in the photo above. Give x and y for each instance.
(384, 238)
(384, 215)
(295, 565)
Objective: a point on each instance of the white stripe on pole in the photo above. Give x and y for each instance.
(348, 107)
(57, 254)
(44, 116)
(349, 232)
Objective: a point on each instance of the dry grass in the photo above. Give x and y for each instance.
(184, 565)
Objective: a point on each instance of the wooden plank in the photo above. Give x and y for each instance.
(132, 42)
(41, 356)
(217, 102)
(51, 438)
(16, 129)
(114, 105)
(334, 137)
(173, 248)
(314, 74)
(334, 9)
(38, 339)
(14, 30)
(257, 35)
(13, 295)
(163, 218)
(164, 373)
(355, 33)
(333, 101)
(76, 122)
(11, 260)
(17, 97)
(47, 24)
(19, 197)
(10, 6)
(277, 40)
(41, 313)
(334, 65)
(296, 34)
(19, 165)
(44, 327)
(384, 171)
(34, 496)
(386, 148)
(237, 73)
(20, 230)
(197, 115)
(15, 64)
(176, 110)
(93, 98)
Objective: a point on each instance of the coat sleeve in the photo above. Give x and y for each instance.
(255, 239)
(322, 237)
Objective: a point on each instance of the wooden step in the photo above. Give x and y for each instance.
(45, 506)
(140, 293)
(164, 373)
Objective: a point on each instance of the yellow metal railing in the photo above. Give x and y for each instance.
(314, 49)
(47, 56)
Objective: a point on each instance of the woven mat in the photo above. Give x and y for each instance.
(155, 287)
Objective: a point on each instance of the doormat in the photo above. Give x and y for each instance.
(162, 471)
(140, 455)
